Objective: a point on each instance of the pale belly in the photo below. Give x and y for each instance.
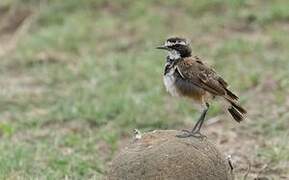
(181, 88)
(169, 81)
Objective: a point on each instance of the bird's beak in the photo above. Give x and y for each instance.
(163, 47)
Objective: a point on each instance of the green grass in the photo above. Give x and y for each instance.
(87, 73)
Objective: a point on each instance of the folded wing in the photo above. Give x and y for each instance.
(201, 75)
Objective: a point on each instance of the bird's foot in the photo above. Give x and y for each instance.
(188, 133)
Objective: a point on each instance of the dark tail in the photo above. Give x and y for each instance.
(235, 114)
(238, 107)
(231, 94)
(236, 111)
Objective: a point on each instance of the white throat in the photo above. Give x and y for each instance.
(174, 54)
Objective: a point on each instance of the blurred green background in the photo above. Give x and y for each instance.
(78, 76)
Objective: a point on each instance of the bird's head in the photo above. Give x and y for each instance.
(177, 47)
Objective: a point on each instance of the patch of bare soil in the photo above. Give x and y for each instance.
(242, 147)
(14, 23)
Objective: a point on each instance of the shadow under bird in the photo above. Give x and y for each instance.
(187, 76)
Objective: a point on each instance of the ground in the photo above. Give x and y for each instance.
(78, 76)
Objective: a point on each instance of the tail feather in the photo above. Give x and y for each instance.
(235, 114)
(236, 111)
(238, 107)
(231, 94)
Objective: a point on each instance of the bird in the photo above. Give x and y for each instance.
(188, 76)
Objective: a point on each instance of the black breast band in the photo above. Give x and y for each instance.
(170, 63)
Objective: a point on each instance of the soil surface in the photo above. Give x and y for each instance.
(161, 155)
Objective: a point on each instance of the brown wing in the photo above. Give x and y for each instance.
(196, 72)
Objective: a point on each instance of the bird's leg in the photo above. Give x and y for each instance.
(201, 120)
(195, 132)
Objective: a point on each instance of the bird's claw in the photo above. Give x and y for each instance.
(188, 133)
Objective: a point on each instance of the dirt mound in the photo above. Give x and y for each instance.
(161, 155)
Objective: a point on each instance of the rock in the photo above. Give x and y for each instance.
(161, 155)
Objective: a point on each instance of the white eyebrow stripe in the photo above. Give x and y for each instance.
(178, 42)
